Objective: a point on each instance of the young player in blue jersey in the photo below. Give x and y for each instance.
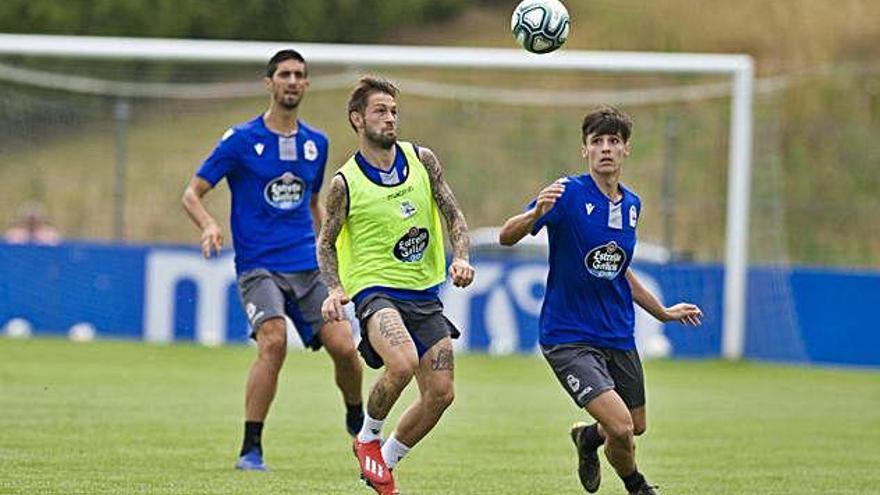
(587, 319)
(274, 166)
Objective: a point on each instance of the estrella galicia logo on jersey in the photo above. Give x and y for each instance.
(407, 209)
(310, 150)
(606, 261)
(285, 192)
(412, 246)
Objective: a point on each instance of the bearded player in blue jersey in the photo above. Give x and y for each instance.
(274, 166)
(587, 319)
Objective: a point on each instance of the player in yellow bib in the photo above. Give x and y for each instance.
(381, 246)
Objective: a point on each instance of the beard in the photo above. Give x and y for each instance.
(380, 139)
(288, 104)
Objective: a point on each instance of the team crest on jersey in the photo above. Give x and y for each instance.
(633, 216)
(407, 209)
(285, 192)
(606, 261)
(310, 150)
(412, 246)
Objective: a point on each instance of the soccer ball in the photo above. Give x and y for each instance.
(540, 26)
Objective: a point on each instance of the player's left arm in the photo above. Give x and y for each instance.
(460, 270)
(317, 210)
(685, 313)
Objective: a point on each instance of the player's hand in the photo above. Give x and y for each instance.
(461, 272)
(685, 313)
(212, 239)
(547, 198)
(332, 308)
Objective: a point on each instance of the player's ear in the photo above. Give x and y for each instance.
(356, 119)
(584, 150)
(267, 81)
(627, 149)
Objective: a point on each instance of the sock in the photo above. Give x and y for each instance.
(354, 417)
(393, 451)
(590, 437)
(372, 429)
(253, 431)
(633, 481)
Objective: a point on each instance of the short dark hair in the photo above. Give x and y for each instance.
(281, 56)
(366, 86)
(607, 120)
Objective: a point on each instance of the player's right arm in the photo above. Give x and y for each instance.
(335, 208)
(518, 226)
(212, 234)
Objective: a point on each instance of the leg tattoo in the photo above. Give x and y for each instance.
(392, 329)
(443, 360)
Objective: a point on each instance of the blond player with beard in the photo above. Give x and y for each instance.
(382, 247)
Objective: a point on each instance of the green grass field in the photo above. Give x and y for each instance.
(119, 417)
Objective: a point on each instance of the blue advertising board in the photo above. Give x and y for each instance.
(165, 294)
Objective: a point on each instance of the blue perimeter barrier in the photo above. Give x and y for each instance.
(166, 293)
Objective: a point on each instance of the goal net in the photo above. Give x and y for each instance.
(105, 138)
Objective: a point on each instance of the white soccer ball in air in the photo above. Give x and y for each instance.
(540, 26)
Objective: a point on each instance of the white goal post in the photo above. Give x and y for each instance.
(739, 67)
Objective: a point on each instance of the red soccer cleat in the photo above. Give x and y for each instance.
(374, 472)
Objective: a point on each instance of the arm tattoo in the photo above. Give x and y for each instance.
(443, 360)
(335, 209)
(392, 329)
(455, 222)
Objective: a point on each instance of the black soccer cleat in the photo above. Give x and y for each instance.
(588, 461)
(646, 489)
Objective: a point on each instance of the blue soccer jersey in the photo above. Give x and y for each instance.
(272, 179)
(588, 298)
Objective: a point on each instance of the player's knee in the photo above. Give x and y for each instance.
(440, 397)
(619, 431)
(345, 352)
(339, 345)
(272, 339)
(400, 371)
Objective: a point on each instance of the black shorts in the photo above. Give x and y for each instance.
(586, 371)
(423, 320)
(297, 295)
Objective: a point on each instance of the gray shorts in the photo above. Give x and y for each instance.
(424, 321)
(298, 295)
(586, 371)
